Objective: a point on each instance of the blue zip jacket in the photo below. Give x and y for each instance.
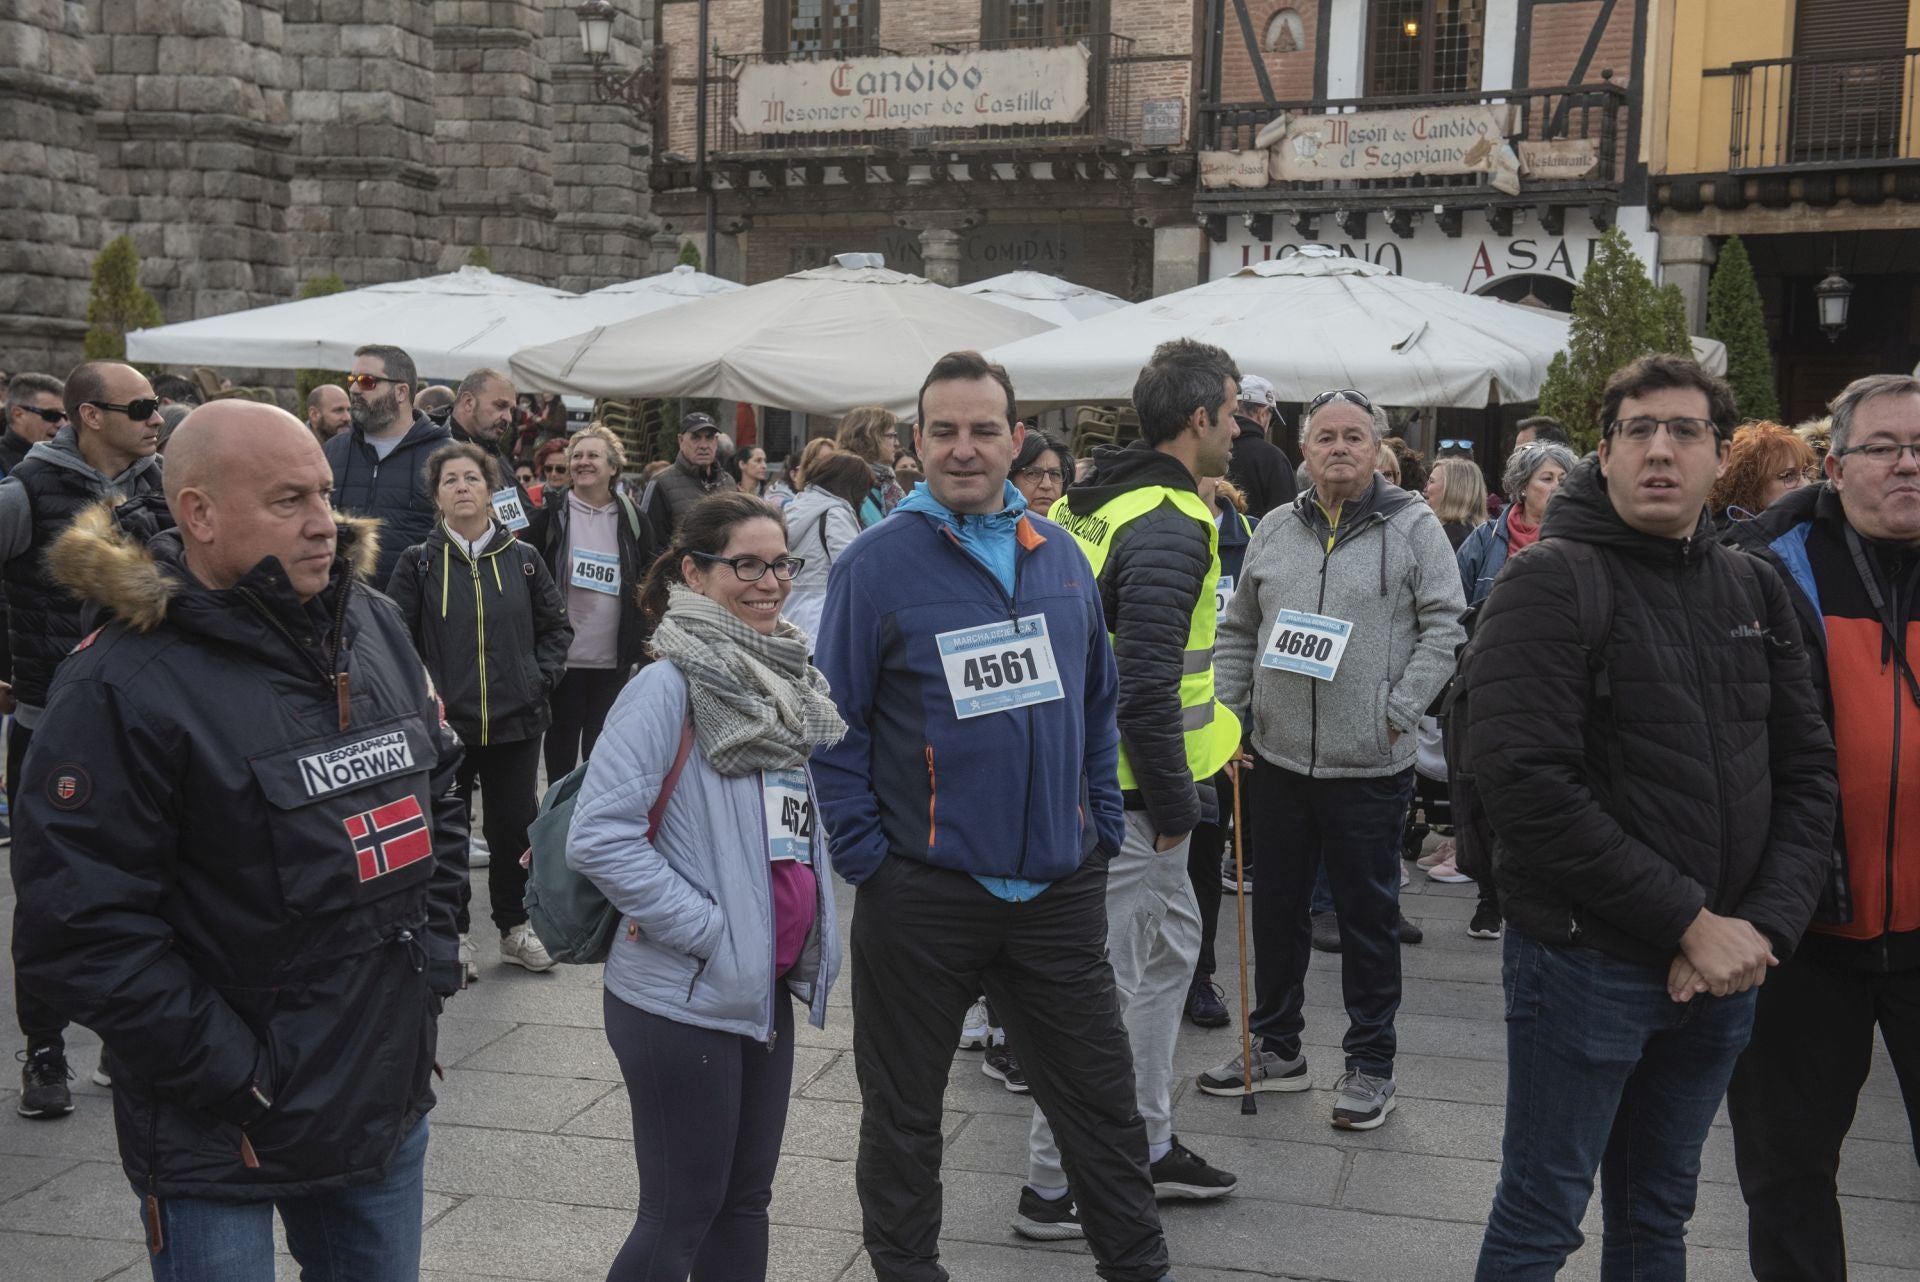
(1482, 555)
(1030, 792)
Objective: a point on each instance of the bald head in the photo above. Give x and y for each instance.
(247, 481)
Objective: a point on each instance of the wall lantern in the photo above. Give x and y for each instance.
(1832, 296)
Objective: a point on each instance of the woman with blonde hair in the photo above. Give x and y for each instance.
(1457, 492)
(871, 432)
(794, 474)
(1766, 461)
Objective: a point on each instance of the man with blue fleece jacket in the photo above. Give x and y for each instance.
(975, 803)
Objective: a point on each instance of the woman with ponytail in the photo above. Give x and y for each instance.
(695, 819)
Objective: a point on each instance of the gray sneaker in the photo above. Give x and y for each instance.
(1361, 1101)
(1270, 1073)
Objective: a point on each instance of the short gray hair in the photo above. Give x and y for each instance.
(1530, 458)
(25, 386)
(1856, 394)
(1376, 414)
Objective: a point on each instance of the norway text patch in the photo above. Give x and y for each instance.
(356, 763)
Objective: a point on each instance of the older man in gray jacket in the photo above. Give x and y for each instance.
(1341, 633)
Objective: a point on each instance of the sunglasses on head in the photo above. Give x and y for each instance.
(1346, 394)
(51, 416)
(367, 382)
(139, 411)
(1456, 445)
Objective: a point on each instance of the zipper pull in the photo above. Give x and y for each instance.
(156, 1237)
(343, 688)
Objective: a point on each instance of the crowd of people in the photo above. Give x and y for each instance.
(1651, 701)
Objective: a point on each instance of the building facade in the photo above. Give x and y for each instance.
(1792, 124)
(249, 145)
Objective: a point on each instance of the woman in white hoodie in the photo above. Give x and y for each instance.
(822, 520)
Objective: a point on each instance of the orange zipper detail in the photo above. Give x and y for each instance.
(932, 790)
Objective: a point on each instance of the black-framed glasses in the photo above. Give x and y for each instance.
(1882, 453)
(367, 382)
(55, 416)
(139, 411)
(751, 569)
(1346, 394)
(1684, 431)
(1038, 474)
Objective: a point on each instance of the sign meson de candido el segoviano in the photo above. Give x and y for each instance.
(957, 90)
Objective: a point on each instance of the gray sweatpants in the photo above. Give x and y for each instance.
(1153, 940)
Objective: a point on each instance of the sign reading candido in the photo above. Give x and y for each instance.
(951, 90)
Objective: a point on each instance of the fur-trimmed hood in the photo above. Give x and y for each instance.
(127, 559)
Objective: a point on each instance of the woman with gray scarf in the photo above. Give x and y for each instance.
(695, 819)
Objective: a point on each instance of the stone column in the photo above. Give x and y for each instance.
(1179, 258)
(1687, 261)
(362, 101)
(195, 150)
(602, 152)
(493, 135)
(940, 254)
(50, 201)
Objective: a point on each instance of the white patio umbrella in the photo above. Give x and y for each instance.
(683, 282)
(1052, 299)
(1308, 322)
(448, 324)
(816, 342)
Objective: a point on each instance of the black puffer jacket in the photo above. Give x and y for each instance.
(234, 891)
(493, 630)
(1155, 573)
(392, 490)
(1706, 780)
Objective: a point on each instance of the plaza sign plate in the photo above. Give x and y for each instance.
(936, 91)
(1380, 144)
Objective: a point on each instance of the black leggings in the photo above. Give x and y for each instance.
(709, 1112)
(579, 704)
(508, 774)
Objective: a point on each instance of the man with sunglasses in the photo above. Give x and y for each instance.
(105, 450)
(1648, 748)
(36, 409)
(1260, 470)
(1849, 552)
(379, 464)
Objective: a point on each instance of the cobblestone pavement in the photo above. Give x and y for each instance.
(531, 1174)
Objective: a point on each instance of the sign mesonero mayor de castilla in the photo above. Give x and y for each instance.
(941, 90)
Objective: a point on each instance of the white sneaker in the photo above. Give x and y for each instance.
(973, 1029)
(522, 947)
(478, 856)
(100, 1076)
(466, 959)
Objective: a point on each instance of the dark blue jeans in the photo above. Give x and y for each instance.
(367, 1233)
(1351, 827)
(1605, 1073)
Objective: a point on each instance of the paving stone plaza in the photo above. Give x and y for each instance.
(530, 1176)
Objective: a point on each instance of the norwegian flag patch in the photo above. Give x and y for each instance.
(389, 837)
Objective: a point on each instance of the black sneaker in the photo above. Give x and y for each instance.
(1486, 921)
(1226, 876)
(6, 829)
(1326, 931)
(1184, 1173)
(1042, 1220)
(43, 1082)
(1000, 1063)
(1410, 933)
(1204, 1007)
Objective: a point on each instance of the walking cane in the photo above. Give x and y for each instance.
(1247, 1104)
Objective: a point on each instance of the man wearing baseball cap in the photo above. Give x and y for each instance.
(1260, 469)
(695, 474)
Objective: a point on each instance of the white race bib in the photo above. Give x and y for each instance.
(789, 815)
(596, 571)
(1309, 644)
(999, 666)
(507, 506)
(1223, 594)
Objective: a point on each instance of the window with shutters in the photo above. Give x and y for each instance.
(1849, 66)
(1424, 46)
(816, 27)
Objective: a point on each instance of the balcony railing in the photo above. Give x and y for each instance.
(1112, 118)
(1595, 112)
(1839, 110)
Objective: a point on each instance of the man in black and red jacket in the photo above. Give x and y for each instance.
(1849, 551)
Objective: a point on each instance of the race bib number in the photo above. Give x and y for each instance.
(999, 666)
(596, 571)
(1223, 594)
(507, 506)
(1309, 644)
(789, 815)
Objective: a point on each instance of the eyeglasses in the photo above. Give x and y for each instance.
(1038, 474)
(751, 569)
(1684, 431)
(51, 416)
(1882, 453)
(139, 411)
(367, 382)
(1346, 394)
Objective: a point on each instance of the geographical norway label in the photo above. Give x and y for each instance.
(389, 837)
(356, 763)
(1000, 666)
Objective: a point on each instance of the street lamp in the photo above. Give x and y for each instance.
(635, 88)
(1832, 296)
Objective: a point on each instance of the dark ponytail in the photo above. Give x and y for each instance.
(707, 527)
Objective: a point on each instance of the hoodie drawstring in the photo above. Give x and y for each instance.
(446, 575)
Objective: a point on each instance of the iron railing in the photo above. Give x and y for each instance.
(1112, 118)
(1837, 109)
(1576, 112)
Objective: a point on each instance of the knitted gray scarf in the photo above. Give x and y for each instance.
(757, 703)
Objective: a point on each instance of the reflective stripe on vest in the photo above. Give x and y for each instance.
(1212, 732)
